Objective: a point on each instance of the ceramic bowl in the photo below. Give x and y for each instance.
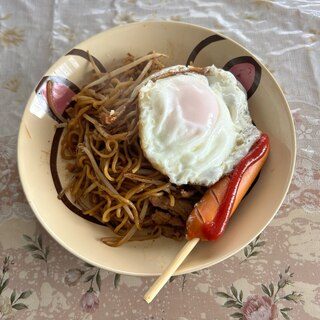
(38, 146)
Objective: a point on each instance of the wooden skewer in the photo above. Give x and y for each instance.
(170, 270)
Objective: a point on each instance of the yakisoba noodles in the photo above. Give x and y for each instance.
(112, 180)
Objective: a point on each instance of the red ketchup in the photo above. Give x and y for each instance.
(214, 229)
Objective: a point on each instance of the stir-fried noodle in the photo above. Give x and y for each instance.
(112, 180)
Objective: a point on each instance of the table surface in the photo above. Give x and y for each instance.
(276, 277)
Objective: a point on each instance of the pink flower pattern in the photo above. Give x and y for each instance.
(89, 301)
(262, 307)
(259, 308)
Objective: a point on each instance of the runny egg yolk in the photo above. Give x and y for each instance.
(197, 102)
(185, 109)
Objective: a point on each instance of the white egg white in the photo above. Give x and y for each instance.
(194, 123)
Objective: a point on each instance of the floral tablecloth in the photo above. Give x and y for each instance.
(275, 277)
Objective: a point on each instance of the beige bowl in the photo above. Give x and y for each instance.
(39, 164)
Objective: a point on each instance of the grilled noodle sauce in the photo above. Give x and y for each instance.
(112, 180)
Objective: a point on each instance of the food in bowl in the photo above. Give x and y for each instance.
(144, 143)
(43, 173)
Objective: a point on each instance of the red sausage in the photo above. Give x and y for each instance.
(211, 214)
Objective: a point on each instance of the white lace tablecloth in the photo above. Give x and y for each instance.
(276, 277)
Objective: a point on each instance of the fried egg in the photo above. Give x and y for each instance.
(194, 123)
